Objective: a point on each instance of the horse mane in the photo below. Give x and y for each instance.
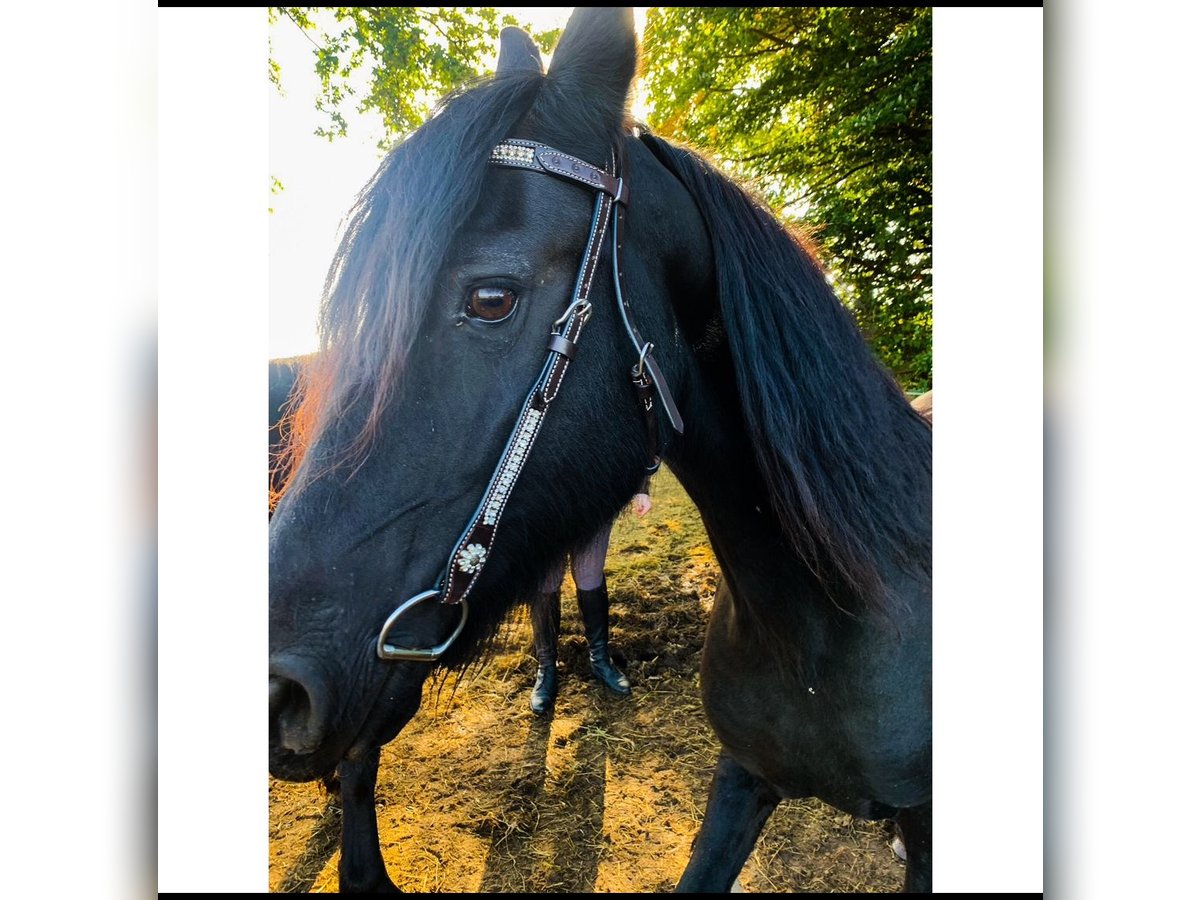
(846, 460)
(283, 374)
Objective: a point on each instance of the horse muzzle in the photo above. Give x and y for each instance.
(301, 707)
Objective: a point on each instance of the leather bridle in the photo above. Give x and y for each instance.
(472, 550)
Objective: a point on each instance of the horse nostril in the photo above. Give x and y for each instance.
(297, 715)
(279, 692)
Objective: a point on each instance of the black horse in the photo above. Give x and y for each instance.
(810, 469)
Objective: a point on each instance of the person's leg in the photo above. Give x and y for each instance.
(587, 568)
(546, 614)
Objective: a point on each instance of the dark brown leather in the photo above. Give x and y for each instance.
(521, 154)
(560, 344)
(472, 550)
(645, 395)
(656, 375)
(558, 363)
(566, 166)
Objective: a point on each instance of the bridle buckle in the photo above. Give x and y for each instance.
(639, 370)
(581, 307)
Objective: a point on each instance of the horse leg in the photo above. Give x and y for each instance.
(361, 869)
(916, 828)
(739, 804)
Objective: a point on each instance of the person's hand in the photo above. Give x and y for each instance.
(641, 504)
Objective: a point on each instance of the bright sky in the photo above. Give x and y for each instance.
(320, 180)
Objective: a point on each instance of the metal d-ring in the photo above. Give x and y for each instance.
(387, 651)
(640, 368)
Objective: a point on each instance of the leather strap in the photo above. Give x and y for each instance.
(560, 344)
(521, 154)
(517, 153)
(639, 343)
(474, 546)
(645, 394)
(580, 309)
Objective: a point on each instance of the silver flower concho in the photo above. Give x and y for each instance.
(471, 558)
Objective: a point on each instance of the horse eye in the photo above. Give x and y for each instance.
(491, 303)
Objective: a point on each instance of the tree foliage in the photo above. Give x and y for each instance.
(828, 112)
(394, 60)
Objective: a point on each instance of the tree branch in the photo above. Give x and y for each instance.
(767, 36)
(829, 182)
(766, 154)
(303, 31)
(750, 54)
(433, 21)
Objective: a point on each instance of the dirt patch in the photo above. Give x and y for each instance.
(478, 794)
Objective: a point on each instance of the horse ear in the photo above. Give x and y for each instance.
(597, 56)
(518, 53)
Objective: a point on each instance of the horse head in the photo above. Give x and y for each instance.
(454, 275)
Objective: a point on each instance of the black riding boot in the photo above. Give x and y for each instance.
(546, 613)
(593, 607)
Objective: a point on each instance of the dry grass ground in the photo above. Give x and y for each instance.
(478, 794)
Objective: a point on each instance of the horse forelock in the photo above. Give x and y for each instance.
(382, 277)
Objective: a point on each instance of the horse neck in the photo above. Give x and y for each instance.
(715, 463)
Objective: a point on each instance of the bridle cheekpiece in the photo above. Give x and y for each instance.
(470, 554)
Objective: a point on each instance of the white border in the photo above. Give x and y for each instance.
(213, 202)
(987, 218)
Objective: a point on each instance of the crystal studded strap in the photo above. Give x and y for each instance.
(520, 154)
(473, 548)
